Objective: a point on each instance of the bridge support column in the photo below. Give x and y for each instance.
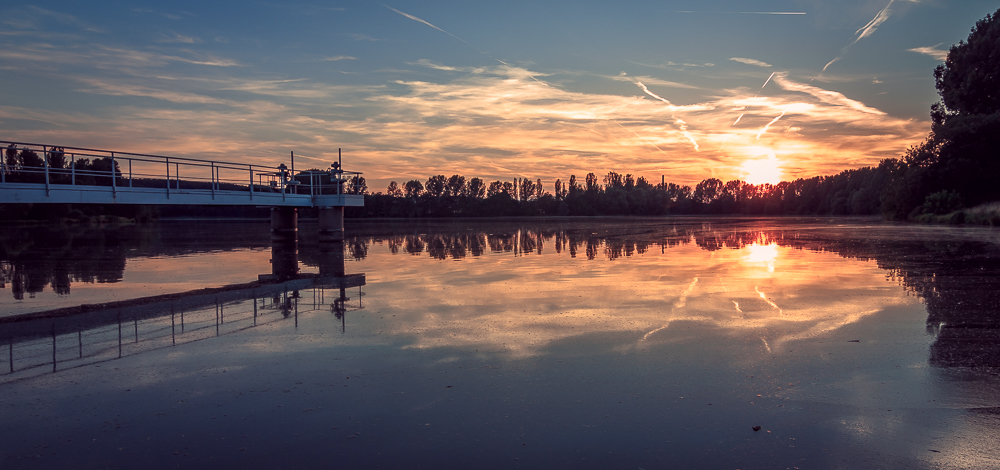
(331, 224)
(284, 224)
(331, 259)
(284, 260)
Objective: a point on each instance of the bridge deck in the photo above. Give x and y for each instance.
(44, 174)
(21, 193)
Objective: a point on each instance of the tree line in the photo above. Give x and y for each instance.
(851, 192)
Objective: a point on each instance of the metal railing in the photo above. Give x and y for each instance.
(68, 349)
(99, 169)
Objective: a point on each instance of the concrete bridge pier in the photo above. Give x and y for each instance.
(331, 224)
(331, 259)
(284, 224)
(284, 260)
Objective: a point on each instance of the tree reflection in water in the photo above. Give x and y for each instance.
(956, 273)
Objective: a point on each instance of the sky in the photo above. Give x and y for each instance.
(684, 90)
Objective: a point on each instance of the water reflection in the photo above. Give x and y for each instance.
(76, 336)
(747, 275)
(784, 279)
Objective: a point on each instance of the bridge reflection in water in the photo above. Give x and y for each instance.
(66, 338)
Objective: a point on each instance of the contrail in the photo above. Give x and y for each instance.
(743, 112)
(654, 95)
(420, 20)
(762, 131)
(758, 94)
(639, 136)
(680, 304)
(683, 300)
(680, 122)
(746, 12)
(864, 31)
(762, 296)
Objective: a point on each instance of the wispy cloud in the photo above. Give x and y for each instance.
(338, 58)
(169, 16)
(624, 77)
(744, 60)
(932, 51)
(362, 37)
(66, 19)
(178, 39)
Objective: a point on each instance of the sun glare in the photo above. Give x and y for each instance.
(764, 171)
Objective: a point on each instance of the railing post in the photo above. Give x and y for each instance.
(168, 176)
(72, 171)
(213, 181)
(45, 153)
(114, 185)
(251, 182)
(130, 172)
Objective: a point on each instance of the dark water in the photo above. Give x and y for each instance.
(587, 343)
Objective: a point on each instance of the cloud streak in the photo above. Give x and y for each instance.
(755, 62)
(931, 51)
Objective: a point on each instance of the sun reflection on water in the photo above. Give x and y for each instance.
(762, 254)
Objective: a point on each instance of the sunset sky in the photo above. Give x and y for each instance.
(687, 89)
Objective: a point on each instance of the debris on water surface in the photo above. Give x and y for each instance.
(756, 428)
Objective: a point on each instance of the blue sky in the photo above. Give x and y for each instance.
(490, 89)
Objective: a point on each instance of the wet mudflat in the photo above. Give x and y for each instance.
(589, 343)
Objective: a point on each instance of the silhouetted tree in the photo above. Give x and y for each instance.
(435, 186)
(413, 189)
(476, 188)
(394, 190)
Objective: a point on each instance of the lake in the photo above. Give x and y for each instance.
(735, 343)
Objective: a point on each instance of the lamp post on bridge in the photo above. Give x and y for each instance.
(284, 220)
(331, 218)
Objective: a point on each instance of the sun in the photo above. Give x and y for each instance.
(763, 171)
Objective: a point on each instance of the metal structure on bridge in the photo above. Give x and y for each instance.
(45, 174)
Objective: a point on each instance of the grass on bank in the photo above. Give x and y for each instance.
(983, 214)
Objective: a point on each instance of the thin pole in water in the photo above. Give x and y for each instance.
(53, 347)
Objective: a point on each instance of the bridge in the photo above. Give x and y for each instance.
(44, 174)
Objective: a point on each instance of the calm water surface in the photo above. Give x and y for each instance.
(582, 343)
